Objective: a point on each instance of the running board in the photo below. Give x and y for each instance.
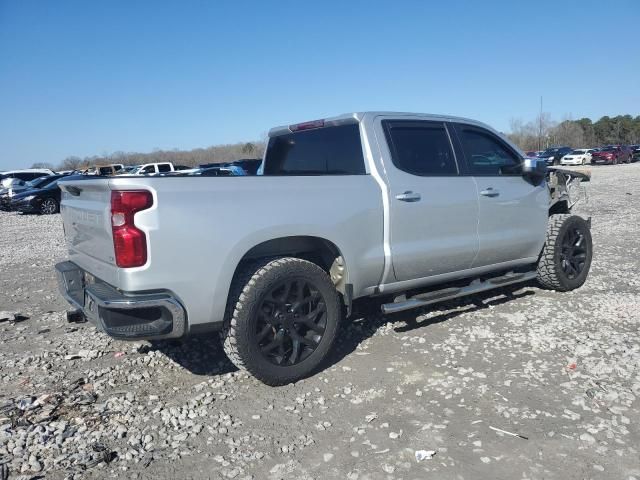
(475, 286)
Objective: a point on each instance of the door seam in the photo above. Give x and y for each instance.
(477, 221)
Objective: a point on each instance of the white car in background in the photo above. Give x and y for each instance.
(153, 169)
(580, 156)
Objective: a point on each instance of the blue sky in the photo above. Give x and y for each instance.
(84, 78)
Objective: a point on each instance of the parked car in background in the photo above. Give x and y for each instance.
(635, 152)
(44, 200)
(627, 153)
(7, 194)
(610, 155)
(249, 165)
(128, 170)
(20, 177)
(112, 169)
(153, 168)
(226, 171)
(553, 155)
(580, 156)
(533, 153)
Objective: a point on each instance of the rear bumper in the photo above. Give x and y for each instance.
(123, 315)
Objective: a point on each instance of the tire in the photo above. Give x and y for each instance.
(49, 206)
(566, 256)
(267, 322)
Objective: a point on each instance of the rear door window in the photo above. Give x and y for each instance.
(486, 154)
(164, 168)
(420, 148)
(321, 151)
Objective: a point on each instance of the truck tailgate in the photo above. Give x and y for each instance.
(86, 216)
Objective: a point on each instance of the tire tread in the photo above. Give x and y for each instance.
(246, 289)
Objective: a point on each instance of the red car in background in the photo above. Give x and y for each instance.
(612, 155)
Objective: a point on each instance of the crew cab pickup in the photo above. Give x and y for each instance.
(410, 208)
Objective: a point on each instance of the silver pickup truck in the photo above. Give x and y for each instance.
(410, 208)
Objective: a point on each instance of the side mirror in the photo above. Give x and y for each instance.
(534, 168)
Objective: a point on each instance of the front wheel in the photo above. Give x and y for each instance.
(566, 256)
(49, 206)
(282, 319)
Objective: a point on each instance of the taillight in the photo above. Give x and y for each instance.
(129, 242)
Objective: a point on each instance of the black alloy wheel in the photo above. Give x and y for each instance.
(566, 257)
(282, 319)
(49, 206)
(291, 321)
(574, 253)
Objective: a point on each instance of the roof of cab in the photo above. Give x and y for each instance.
(356, 117)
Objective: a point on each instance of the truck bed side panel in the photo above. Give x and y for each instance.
(199, 229)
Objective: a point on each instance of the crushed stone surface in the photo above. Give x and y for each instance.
(422, 394)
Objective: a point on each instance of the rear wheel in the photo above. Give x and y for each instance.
(566, 256)
(49, 206)
(282, 319)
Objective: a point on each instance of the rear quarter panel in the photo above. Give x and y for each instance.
(200, 228)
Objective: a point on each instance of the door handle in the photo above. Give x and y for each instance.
(490, 192)
(408, 196)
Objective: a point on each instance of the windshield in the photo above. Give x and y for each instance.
(550, 151)
(609, 149)
(578, 152)
(37, 181)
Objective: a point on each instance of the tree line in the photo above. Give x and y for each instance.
(191, 158)
(537, 134)
(544, 132)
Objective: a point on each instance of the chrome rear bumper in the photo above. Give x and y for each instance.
(123, 315)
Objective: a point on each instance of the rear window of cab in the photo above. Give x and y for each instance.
(335, 150)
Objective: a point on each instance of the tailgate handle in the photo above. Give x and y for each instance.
(75, 191)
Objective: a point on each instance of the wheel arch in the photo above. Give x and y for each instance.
(321, 251)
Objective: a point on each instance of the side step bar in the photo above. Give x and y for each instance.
(475, 286)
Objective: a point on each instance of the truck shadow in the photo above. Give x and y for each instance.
(364, 325)
(203, 355)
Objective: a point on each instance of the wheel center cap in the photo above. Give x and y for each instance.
(287, 319)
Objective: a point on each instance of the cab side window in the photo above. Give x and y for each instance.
(420, 148)
(486, 154)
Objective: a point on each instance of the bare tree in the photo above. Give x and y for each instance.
(568, 133)
(71, 163)
(42, 165)
(198, 156)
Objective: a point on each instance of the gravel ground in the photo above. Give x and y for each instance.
(561, 370)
